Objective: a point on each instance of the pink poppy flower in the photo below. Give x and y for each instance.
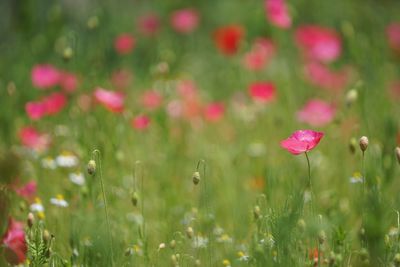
(54, 103)
(214, 112)
(185, 20)
(124, 43)
(321, 76)
(121, 79)
(15, 247)
(261, 53)
(140, 122)
(393, 36)
(35, 110)
(262, 92)
(45, 76)
(277, 13)
(148, 24)
(316, 113)
(31, 138)
(318, 43)
(151, 99)
(228, 38)
(302, 141)
(113, 101)
(69, 82)
(27, 191)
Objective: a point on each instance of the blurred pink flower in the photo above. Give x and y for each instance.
(302, 141)
(174, 109)
(15, 247)
(148, 24)
(35, 109)
(262, 92)
(31, 138)
(214, 112)
(45, 76)
(124, 43)
(262, 51)
(121, 79)
(393, 36)
(228, 38)
(69, 82)
(318, 43)
(113, 101)
(187, 89)
(277, 13)
(321, 76)
(27, 191)
(141, 122)
(54, 103)
(316, 113)
(151, 99)
(185, 20)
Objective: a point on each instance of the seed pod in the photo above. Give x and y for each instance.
(31, 220)
(134, 198)
(256, 212)
(352, 145)
(91, 167)
(196, 178)
(363, 143)
(398, 154)
(321, 237)
(172, 244)
(189, 232)
(46, 236)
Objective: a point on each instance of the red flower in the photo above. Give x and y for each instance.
(35, 110)
(15, 247)
(393, 36)
(318, 43)
(141, 122)
(185, 20)
(124, 43)
(214, 112)
(277, 13)
(54, 103)
(302, 141)
(31, 138)
(149, 24)
(262, 92)
(227, 38)
(45, 76)
(316, 113)
(113, 101)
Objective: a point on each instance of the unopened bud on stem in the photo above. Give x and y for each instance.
(363, 143)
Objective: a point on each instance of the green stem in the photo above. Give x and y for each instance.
(310, 183)
(363, 174)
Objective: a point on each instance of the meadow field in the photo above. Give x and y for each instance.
(200, 133)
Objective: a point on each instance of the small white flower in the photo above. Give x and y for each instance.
(199, 242)
(49, 163)
(356, 178)
(59, 201)
(37, 207)
(77, 178)
(67, 160)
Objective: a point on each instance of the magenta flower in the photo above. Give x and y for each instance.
(15, 247)
(393, 36)
(33, 139)
(140, 122)
(45, 76)
(214, 112)
(54, 103)
(262, 92)
(27, 191)
(151, 99)
(302, 141)
(277, 13)
(124, 43)
(113, 101)
(148, 24)
(185, 20)
(321, 76)
(318, 43)
(35, 109)
(316, 113)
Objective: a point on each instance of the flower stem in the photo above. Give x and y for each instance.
(310, 183)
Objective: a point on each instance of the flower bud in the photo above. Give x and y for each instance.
(363, 143)
(91, 167)
(321, 237)
(134, 198)
(31, 220)
(256, 212)
(196, 178)
(68, 53)
(397, 259)
(172, 244)
(46, 236)
(397, 150)
(189, 232)
(351, 97)
(352, 145)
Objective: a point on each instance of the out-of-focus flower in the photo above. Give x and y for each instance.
(28, 190)
(77, 178)
(316, 113)
(302, 141)
(393, 36)
(59, 201)
(121, 79)
(277, 13)
(151, 99)
(31, 138)
(45, 76)
(320, 75)
(49, 163)
(67, 160)
(148, 24)
(113, 101)
(228, 38)
(140, 122)
(185, 20)
(394, 90)
(124, 43)
(15, 247)
(69, 82)
(54, 103)
(199, 242)
(262, 92)
(214, 112)
(318, 43)
(262, 51)
(35, 110)
(356, 178)
(37, 206)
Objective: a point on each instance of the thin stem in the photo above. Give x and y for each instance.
(310, 184)
(363, 173)
(97, 152)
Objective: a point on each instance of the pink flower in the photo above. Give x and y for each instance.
(185, 20)
(316, 113)
(262, 92)
(228, 38)
(214, 112)
(187, 89)
(149, 24)
(318, 43)
(45, 76)
(113, 101)
(124, 43)
(277, 13)
(262, 51)
(27, 191)
(321, 76)
(31, 138)
(15, 247)
(393, 36)
(69, 82)
(140, 122)
(54, 103)
(35, 110)
(121, 79)
(151, 99)
(302, 141)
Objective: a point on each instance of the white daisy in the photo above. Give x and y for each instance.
(77, 178)
(59, 201)
(67, 160)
